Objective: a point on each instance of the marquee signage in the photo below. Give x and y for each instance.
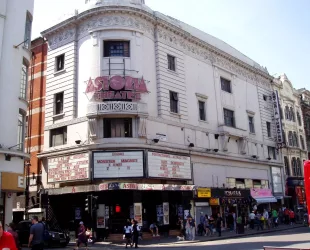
(116, 88)
(230, 193)
(118, 164)
(277, 117)
(68, 168)
(161, 165)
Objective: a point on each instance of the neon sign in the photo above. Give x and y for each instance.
(116, 87)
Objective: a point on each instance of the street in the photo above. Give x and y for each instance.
(299, 237)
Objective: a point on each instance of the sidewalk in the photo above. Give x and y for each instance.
(225, 235)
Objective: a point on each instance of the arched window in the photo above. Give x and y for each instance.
(294, 166)
(286, 166)
(298, 118)
(287, 113)
(295, 140)
(292, 114)
(290, 138)
(298, 171)
(302, 142)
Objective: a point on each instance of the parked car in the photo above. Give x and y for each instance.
(57, 238)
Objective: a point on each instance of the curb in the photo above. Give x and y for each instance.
(229, 237)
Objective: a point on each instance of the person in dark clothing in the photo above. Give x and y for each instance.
(230, 222)
(219, 224)
(12, 230)
(135, 234)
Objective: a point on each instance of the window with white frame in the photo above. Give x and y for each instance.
(298, 118)
(28, 26)
(21, 130)
(272, 152)
(174, 102)
(116, 48)
(117, 127)
(251, 124)
(290, 138)
(24, 80)
(225, 85)
(171, 62)
(298, 169)
(295, 140)
(231, 182)
(58, 136)
(59, 103)
(268, 125)
(202, 110)
(229, 118)
(294, 167)
(60, 62)
(287, 166)
(302, 142)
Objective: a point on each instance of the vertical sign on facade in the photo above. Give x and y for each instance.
(138, 213)
(101, 212)
(277, 118)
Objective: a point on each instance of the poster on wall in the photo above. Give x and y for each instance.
(277, 180)
(118, 164)
(180, 211)
(78, 213)
(138, 213)
(68, 168)
(169, 166)
(101, 216)
(166, 213)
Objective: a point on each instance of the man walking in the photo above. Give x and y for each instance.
(252, 219)
(36, 234)
(219, 224)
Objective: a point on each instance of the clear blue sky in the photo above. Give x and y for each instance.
(274, 33)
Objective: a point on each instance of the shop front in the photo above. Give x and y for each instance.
(202, 202)
(295, 193)
(262, 198)
(236, 201)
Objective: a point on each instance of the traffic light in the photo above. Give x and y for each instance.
(88, 201)
(94, 203)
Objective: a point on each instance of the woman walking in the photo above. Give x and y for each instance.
(128, 233)
(135, 233)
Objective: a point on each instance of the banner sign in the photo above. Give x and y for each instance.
(118, 164)
(115, 87)
(277, 118)
(68, 168)
(161, 165)
(138, 186)
(204, 192)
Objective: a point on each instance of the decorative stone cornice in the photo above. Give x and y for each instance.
(153, 25)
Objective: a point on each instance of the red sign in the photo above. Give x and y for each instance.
(307, 185)
(116, 87)
(300, 195)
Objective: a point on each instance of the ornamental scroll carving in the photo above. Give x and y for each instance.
(202, 53)
(61, 38)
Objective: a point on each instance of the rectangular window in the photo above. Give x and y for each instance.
(265, 184)
(272, 152)
(59, 103)
(202, 111)
(60, 62)
(58, 136)
(231, 182)
(229, 119)
(251, 124)
(117, 127)
(257, 184)
(116, 48)
(174, 99)
(226, 85)
(240, 183)
(268, 125)
(21, 131)
(265, 98)
(171, 62)
(23, 80)
(27, 36)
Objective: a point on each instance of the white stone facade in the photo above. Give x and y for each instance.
(220, 153)
(15, 57)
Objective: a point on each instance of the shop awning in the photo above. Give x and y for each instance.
(266, 200)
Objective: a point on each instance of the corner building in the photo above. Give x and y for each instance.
(142, 110)
(15, 57)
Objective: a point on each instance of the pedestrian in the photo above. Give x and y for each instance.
(12, 230)
(188, 230)
(135, 233)
(292, 217)
(280, 215)
(219, 224)
(82, 238)
(230, 222)
(275, 217)
(36, 240)
(6, 240)
(128, 233)
(201, 226)
(239, 225)
(266, 219)
(287, 216)
(252, 219)
(259, 221)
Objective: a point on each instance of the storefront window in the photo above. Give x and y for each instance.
(231, 182)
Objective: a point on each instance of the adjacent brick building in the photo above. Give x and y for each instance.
(35, 127)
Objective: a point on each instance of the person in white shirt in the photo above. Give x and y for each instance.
(128, 233)
(266, 218)
(252, 219)
(154, 229)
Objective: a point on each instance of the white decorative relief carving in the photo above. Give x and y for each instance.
(225, 138)
(142, 127)
(242, 145)
(93, 128)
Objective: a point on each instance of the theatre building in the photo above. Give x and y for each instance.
(142, 108)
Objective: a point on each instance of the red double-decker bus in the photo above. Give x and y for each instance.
(307, 186)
